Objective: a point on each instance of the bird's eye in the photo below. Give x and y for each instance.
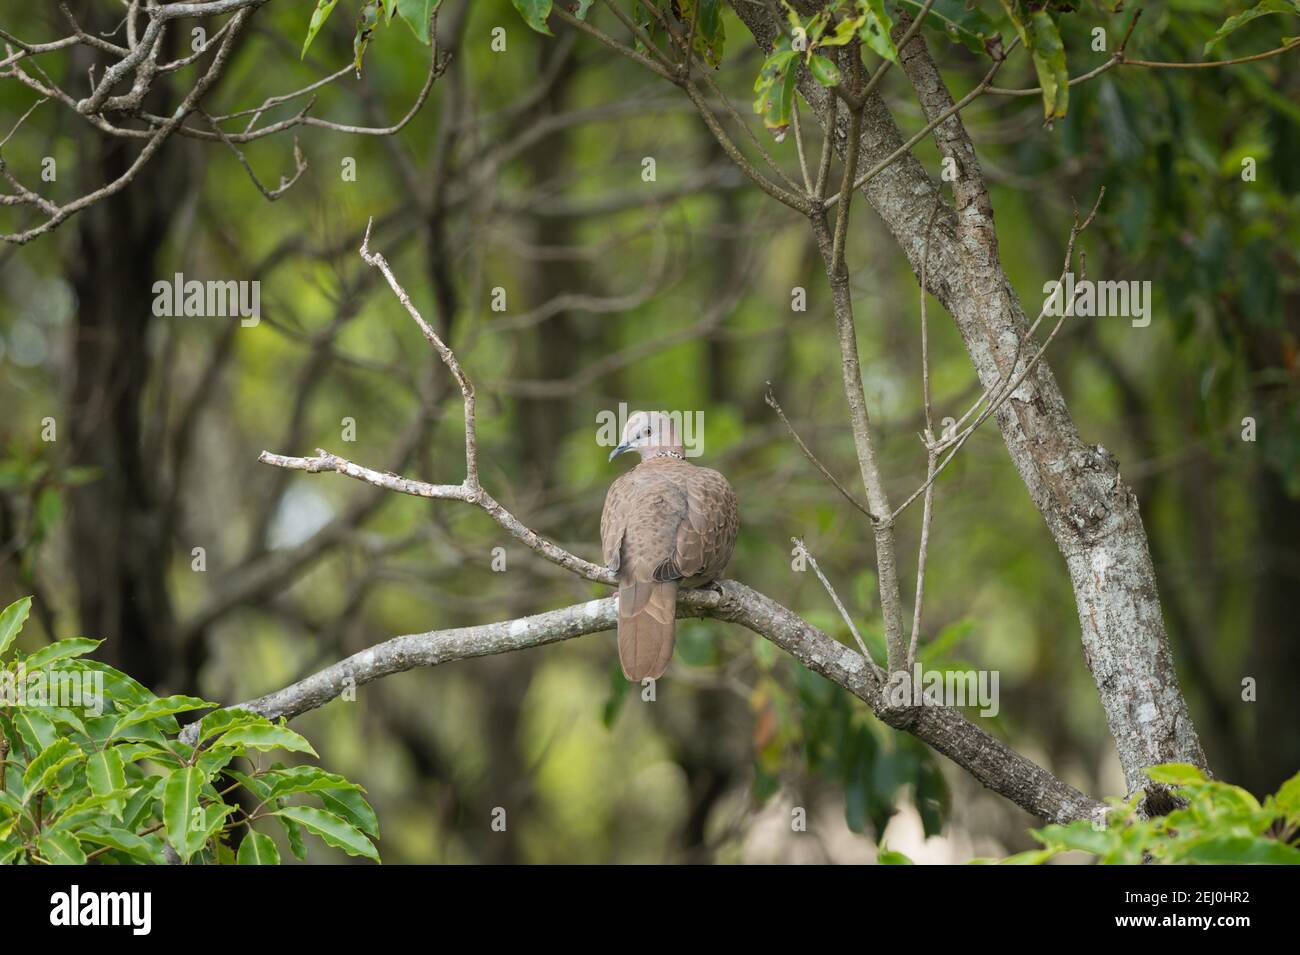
(647, 432)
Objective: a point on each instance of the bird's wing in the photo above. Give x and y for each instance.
(613, 523)
(706, 533)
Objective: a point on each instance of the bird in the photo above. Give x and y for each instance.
(666, 524)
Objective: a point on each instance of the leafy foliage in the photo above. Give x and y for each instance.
(416, 13)
(534, 13)
(814, 729)
(34, 488)
(958, 21)
(703, 23)
(318, 17)
(1219, 824)
(837, 24)
(1263, 8)
(1038, 32)
(114, 783)
(840, 22)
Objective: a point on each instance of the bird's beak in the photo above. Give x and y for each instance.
(625, 446)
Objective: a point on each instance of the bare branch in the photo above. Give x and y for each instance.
(839, 605)
(377, 260)
(300, 164)
(770, 398)
(988, 759)
(931, 454)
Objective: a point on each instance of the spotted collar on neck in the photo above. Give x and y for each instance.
(668, 454)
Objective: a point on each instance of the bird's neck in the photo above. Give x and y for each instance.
(665, 454)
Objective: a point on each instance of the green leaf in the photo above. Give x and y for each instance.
(332, 830)
(11, 621)
(1239, 20)
(264, 737)
(258, 849)
(1176, 774)
(305, 779)
(215, 759)
(91, 808)
(214, 817)
(62, 650)
(294, 833)
(824, 71)
(124, 690)
(258, 786)
(42, 770)
(1041, 38)
(35, 728)
(1032, 857)
(106, 773)
(63, 715)
(1287, 799)
(352, 806)
(117, 838)
(134, 752)
(875, 28)
(367, 21)
(1241, 850)
(318, 17)
(535, 13)
(180, 797)
(775, 88)
(219, 721)
(958, 21)
(1080, 835)
(892, 857)
(710, 34)
(845, 32)
(154, 709)
(61, 848)
(417, 14)
(139, 807)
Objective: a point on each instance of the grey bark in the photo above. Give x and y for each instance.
(988, 759)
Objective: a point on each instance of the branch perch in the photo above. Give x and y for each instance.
(989, 760)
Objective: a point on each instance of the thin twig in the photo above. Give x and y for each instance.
(839, 605)
(931, 454)
(980, 89)
(377, 260)
(770, 398)
(1007, 387)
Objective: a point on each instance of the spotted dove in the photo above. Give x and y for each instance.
(666, 523)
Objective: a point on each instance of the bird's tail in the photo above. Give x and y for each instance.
(647, 627)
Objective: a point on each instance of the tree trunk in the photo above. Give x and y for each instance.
(116, 522)
(1092, 515)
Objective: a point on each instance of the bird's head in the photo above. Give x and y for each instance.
(649, 433)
